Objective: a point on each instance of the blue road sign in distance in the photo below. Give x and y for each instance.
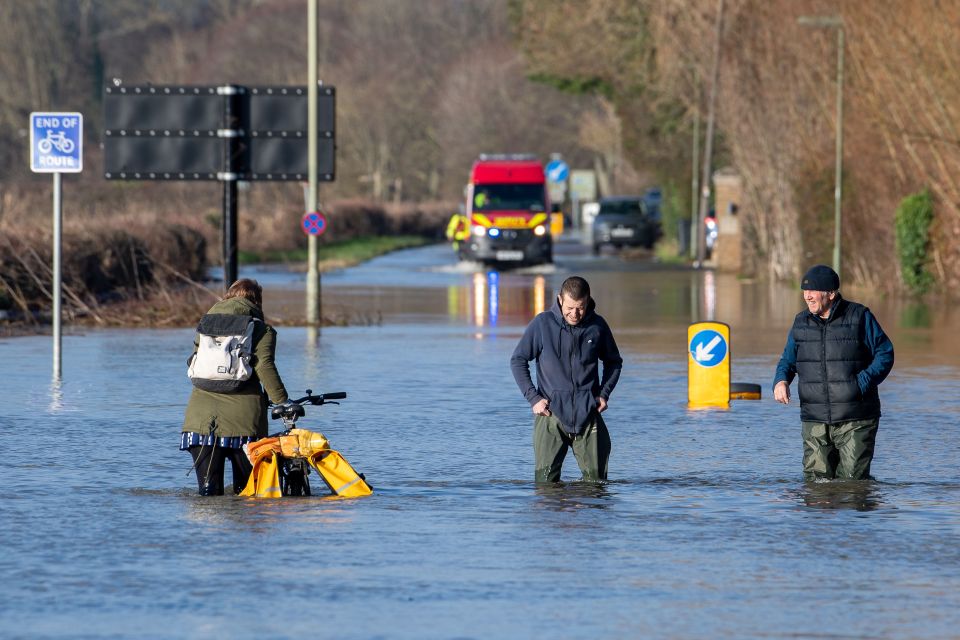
(557, 171)
(708, 348)
(56, 142)
(314, 223)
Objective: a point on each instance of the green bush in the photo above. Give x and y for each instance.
(913, 219)
(674, 207)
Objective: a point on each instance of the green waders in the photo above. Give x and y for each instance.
(550, 443)
(841, 450)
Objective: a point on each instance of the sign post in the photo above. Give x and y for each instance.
(583, 188)
(56, 146)
(557, 172)
(230, 133)
(313, 273)
(708, 365)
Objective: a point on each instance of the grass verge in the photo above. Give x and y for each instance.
(338, 255)
(667, 252)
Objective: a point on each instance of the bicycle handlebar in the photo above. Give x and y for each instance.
(293, 409)
(319, 399)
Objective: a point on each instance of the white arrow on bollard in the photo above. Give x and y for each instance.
(705, 353)
(708, 365)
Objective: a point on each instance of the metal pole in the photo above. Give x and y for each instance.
(229, 233)
(229, 178)
(838, 180)
(57, 294)
(835, 22)
(708, 143)
(694, 232)
(313, 275)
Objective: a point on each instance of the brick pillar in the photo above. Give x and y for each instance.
(728, 189)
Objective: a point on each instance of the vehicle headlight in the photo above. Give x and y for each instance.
(539, 230)
(479, 230)
(494, 232)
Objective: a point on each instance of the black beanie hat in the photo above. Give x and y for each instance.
(820, 278)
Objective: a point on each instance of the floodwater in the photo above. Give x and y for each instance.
(705, 529)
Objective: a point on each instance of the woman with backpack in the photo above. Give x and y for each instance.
(233, 372)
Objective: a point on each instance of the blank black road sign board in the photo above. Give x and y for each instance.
(173, 109)
(178, 133)
(276, 119)
(162, 158)
(285, 109)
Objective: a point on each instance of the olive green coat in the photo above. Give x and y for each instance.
(243, 412)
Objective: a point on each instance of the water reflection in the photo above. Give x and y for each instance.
(858, 495)
(709, 296)
(915, 316)
(493, 285)
(492, 297)
(657, 300)
(573, 496)
(262, 516)
(313, 334)
(56, 395)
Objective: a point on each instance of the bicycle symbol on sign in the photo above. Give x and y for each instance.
(55, 140)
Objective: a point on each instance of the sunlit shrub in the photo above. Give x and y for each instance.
(913, 219)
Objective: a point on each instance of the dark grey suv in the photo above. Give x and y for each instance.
(623, 221)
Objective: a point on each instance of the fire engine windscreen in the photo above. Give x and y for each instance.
(508, 197)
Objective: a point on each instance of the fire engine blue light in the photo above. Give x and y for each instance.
(494, 232)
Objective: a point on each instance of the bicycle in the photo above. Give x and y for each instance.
(282, 461)
(58, 141)
(294, 472)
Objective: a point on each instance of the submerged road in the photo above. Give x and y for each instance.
(705, 530)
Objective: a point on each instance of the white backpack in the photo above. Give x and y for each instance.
(222, 362)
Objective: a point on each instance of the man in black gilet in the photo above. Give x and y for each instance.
(840, 353)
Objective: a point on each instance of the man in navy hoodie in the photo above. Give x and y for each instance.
(568, 343)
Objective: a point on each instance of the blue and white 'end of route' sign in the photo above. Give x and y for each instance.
(708, 348)
(56, 142)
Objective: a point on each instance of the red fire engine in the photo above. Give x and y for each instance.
(507, 212)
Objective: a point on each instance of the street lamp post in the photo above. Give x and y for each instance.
(313, 273)
(708, 141)
(834, 22)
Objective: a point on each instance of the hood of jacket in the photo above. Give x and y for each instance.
(587, 314)
(237, 307)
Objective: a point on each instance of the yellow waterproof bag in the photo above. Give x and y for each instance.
(261, 448)
(339, 475)
(301, 443)
(264, 481)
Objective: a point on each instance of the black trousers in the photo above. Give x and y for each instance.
(209, 463)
